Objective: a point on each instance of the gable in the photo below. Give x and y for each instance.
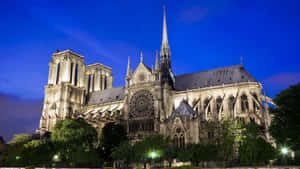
(141, 74)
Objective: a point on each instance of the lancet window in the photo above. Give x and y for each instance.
(231, 105)
(179, 138)
(57, 73)
(244, 103)
(76, 75)
(219, 104)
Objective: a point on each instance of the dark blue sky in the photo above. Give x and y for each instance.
(202, 35)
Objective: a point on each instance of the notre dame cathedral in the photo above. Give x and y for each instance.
(153, 100)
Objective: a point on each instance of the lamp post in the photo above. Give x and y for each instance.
(153, 155)
(284, 151)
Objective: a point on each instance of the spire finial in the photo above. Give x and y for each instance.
(165, 35)
(141, 57)
(129, 72)
(156, 61)
(165, 49)
(241, 57)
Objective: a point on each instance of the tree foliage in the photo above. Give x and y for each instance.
(74, 141)
(111, 137)
(254, 149)
(285, 126)
(124, 152)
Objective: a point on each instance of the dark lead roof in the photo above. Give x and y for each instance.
(183, 110)
(214, 77)
(105, 96)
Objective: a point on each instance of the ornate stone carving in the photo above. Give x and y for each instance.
(141, 104)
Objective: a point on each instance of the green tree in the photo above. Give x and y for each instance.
(226, 138)
(38, 152)
(197, 153)
(124, 152)
(74, 141)
(156, 144)
(111, 137)
(20, 138)
(285, 128)
(254, 149)
(14, 152)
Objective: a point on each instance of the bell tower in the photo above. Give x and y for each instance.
(65, 91)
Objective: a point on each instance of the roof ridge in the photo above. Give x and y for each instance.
(238, 65)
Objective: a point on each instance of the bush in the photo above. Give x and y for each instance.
(29, 167)
(108, 168)
(184, 167)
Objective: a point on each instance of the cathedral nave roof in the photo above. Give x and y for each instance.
(106, 96)
(214, 77)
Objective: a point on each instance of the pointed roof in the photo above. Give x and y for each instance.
(156, 62)
(184, 109)
(165, 35)
(141, 60)
(165, 49)
(129, 71)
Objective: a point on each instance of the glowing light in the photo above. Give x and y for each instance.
(284, 150)
(153, 154)
(55, 158)
(18, 157)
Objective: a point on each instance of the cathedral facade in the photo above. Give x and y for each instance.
(153, 100)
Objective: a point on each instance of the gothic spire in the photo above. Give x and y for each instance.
(141, 60)
(129, 71)
(165, 49)
(156, 62)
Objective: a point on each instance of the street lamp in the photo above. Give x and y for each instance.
(153, 154)
(284, 150)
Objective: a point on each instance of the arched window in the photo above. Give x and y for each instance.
(244, 103)
(105, 82)
(231, 105)
(100, 82)
(255, 107)
(71, 72)
(57, 73)
(89, 83)
(219, 104)
(179, 139)
(93, 84)
(76, 75)
(207, 106)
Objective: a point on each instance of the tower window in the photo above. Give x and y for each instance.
(89, 83)
(76, 74)
(93, 83)
(57, 73)
(105, 82)
(71, 73)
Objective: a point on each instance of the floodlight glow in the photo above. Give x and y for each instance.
(55, 158)
(284, 150)
(17, 157)
(153, 154)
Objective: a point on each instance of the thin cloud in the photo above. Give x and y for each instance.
(193, 15)
(281, 81)
(18, 115)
